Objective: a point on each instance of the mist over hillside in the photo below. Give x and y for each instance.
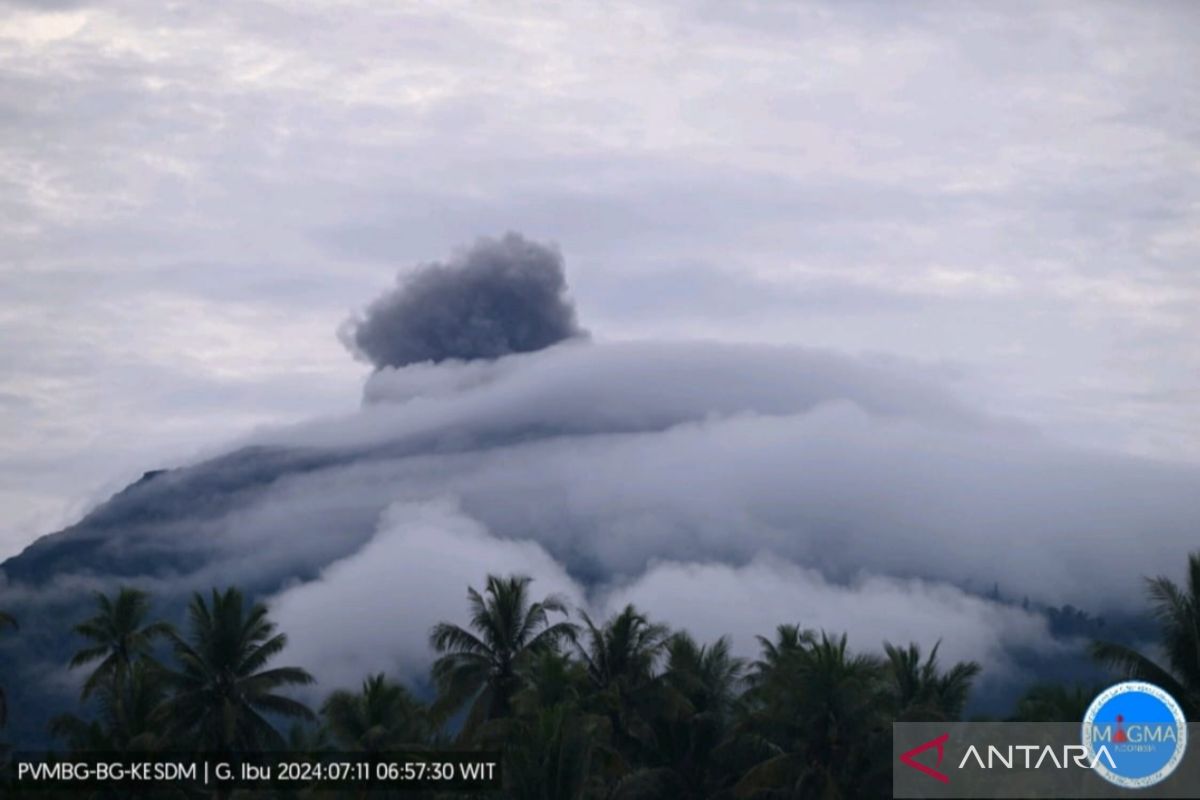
(728, 487)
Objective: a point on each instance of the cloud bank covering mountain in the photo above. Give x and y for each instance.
(728, 488)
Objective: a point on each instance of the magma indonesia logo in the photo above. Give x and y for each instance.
(1142, 727)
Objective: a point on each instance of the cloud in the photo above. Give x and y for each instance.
(611, 455)
(372, 611)
(498, 297)
(711, 600)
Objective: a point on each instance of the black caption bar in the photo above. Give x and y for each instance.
(417, 770)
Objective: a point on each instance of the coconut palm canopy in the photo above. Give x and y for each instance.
(578, 708)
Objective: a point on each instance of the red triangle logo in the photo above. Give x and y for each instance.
(939, 743)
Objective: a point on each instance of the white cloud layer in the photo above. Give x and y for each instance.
(372, 611)
(613, 455)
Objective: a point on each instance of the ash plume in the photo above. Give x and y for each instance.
(500, 296)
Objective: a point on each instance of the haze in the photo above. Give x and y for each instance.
(192, 201)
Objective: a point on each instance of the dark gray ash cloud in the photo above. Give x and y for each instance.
(501, 296)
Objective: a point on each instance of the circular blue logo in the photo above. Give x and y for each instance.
(1135, 734)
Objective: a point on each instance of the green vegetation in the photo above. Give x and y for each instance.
(483, 666)
(222, 688)
(1177, 611)
(6, 621)
(619, 709)
(119, 636)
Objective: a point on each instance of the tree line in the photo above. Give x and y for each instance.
(618, 709)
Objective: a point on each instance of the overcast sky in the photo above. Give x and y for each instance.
(194, 196)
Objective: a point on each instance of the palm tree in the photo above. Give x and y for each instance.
(921, 690)
(555, 753)
(789, 639)
(6, 621)
(552, 678)
(308, 741)
(624, 652)
(222, 688)
(822, 711)
(621, 659)
(1054, 702)
(128, 719)
(707, 675)
(482, 666)
(777, 657)
(1177, 610)
(769, 680)
(552, 747)
(690, 719)
(119, 635)
(383, 716)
